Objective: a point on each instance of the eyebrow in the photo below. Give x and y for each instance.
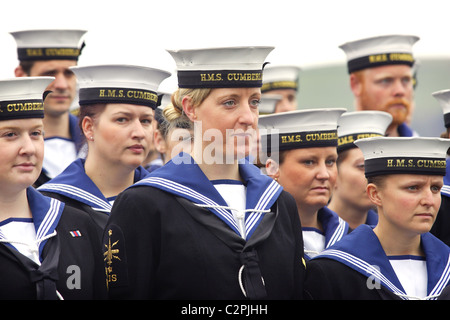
(21, 128)
(131, 114)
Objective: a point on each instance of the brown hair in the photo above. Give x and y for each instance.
(92, 111)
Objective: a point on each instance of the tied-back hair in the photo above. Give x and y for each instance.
(173, 113)
(197, 96)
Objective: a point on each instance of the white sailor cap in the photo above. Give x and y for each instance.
(280, 77)
(443, 97)
(396, 155)
(226, 67)
(119, 84)
(361, 124)
(379, 51)
(268, 103)
(308, 128)
(49, 44)
(22, 98)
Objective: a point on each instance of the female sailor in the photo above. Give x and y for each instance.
(47, 250)
(116, 114)
(302, 147)
(208, 225)
(349, 199)
(398, 258)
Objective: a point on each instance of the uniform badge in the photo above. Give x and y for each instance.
(75, 233)
(114, 257)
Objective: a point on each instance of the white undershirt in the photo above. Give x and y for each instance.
(313, 241)
(412, 273)
(59, 153)
(22, 235)
(235, 195)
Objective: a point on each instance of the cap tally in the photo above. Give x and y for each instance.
(119, 84)
(404, 155)
(228, 67)
(307, 128)
(49, 44)
(22, 98)
(379, 51)
(361, 124)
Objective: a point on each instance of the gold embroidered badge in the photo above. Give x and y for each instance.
(110, 255)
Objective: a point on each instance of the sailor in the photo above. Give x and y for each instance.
(47, 250)
(301, 147)
(349, 199)
(282, 80)
(51, 53)
(398, 258)
(207, 224)
(117, 105)
(381, 77)
(441, 227)
(173, 134)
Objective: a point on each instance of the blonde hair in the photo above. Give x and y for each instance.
(175, 110)
(173, 114)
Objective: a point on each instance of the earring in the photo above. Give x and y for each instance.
(91, 138)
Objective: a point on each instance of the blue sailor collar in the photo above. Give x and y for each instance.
(372, 218)
(362, 251)
(46, 213)
(74, 183)
(334, 227)
(405, 131)
(183, 177)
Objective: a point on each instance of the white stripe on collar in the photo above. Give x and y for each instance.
(90, 198)
(49, 219)
(179, 188)
(225, 212)
(338, 233)
(370, 270)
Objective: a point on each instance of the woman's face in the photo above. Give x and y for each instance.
(228, 119)
(22, 152)
(122, 134)
(408, 202)
(351, 182)
(309, 175)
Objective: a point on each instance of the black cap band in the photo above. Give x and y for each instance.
(118, 95)
(347, 142)
(279, 85)
(21, 109)
(377, 60)
(288, 141)
(220, 79)
(33, 54)
(409, 165)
